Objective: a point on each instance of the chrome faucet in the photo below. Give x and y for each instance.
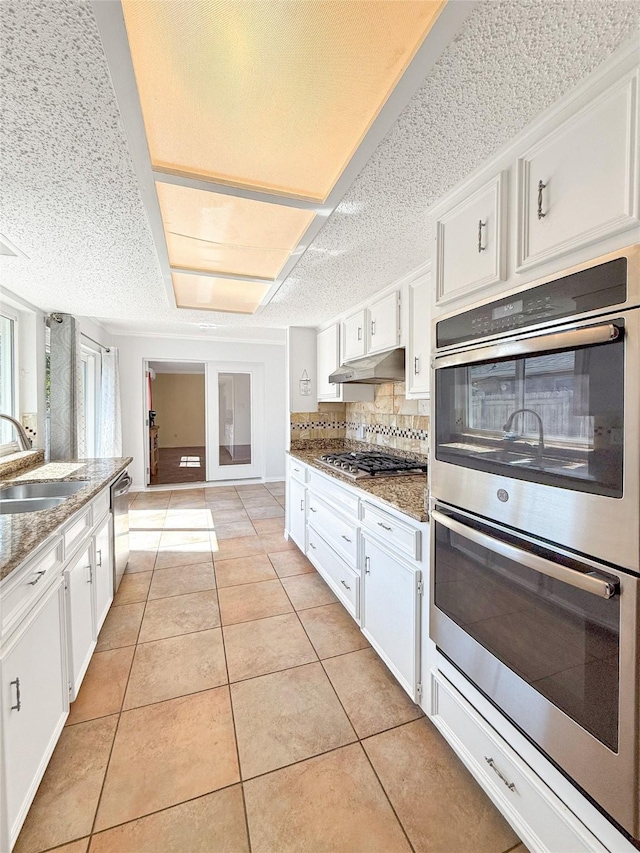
(508, 436)
(23, 439)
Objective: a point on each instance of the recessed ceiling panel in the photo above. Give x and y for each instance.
(212, 232)
(205, 293)
(274, 95)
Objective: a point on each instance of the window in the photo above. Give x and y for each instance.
(8, 402)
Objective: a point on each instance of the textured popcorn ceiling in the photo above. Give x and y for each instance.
(70, 200)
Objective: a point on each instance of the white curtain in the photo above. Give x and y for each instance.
(110, 413)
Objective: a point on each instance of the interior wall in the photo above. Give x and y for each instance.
(134, 350)
(179, 404)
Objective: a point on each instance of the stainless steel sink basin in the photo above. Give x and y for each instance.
(42, 490)
(29, 505)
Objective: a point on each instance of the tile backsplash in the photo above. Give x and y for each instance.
(390, 420)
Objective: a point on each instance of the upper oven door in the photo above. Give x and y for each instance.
(541, 432)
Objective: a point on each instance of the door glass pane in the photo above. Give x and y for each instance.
(555, 418)
(561, 640)
(234, 397)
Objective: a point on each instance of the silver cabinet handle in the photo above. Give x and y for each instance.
(359, 333)
(481, 225)
(302, 505)
(99, 557)
(313, 509)
(385, 526)
(367, 566)
(311, 545)
(373, 328)
(346, 538)
(510, 785)
(297, 469)
(541, 187)
(345, 584)
(38, 577)
(90, 579)
(416, 364)
(18, 704)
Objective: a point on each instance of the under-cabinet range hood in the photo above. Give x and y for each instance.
(372, 370)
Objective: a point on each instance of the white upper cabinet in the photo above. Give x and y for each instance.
(419, 348)
(470, 235)
(353, 336)
(384, 323)
(578, 184)
(328, 361)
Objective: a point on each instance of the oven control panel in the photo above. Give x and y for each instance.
(601, 286)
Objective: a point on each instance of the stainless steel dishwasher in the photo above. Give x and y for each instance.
(120, 509)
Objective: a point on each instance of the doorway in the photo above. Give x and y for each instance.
(177, 422)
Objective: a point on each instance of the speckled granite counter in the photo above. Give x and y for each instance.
(23, 532)
(404, 493)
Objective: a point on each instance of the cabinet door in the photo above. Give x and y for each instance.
(328, 361)
(353, 337)
(577, 185)
(384, 323)
(80, 617)
(470, 242)
(419, 351)
(103, 586)
(35, 701)
(297, 513)
(391, 613)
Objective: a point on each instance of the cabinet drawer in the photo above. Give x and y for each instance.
(344, 583)
(519, 793)
(297, 470)
(20, 592)
(77, 530)
(101, 505)
(338, 531)
(334, 492)
(398, 535)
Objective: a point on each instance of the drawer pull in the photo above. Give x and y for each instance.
(311, 545)
(346, 538)
(37, 578)
(541, 187)
(345, 584)
(297, 469)
(510, 785)
(386, 526)
(313, 509)
(18, 704)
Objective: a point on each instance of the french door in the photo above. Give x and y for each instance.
(235, 421)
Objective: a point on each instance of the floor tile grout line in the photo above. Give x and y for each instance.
(386, 793)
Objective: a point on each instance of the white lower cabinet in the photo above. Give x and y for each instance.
(35, 702)
(391, 612)
(79, 578)
(296, 512)
(103, 585)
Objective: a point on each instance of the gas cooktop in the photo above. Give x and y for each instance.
(359, 466)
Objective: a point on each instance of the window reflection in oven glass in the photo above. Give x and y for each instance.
(562, 641)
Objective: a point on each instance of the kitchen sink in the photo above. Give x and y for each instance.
(42, 490)
(29, 505)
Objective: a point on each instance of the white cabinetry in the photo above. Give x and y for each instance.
(296, 512)
(391, 608)
(353, 336)
(79, 579)
(35, 702)
(328, 361)
(103, 582)
(418, 381)
(578, 184)
(470, 234)
(384, 323)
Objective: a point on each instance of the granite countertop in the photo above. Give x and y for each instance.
(23, 532)
(404, 493)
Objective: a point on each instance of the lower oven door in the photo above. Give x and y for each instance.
(552, 641)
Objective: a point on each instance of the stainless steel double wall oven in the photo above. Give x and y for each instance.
(535, 499)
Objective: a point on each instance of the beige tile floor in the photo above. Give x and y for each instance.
(233, 705)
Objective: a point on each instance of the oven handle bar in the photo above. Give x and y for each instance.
(587, 582)
(589, 335)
